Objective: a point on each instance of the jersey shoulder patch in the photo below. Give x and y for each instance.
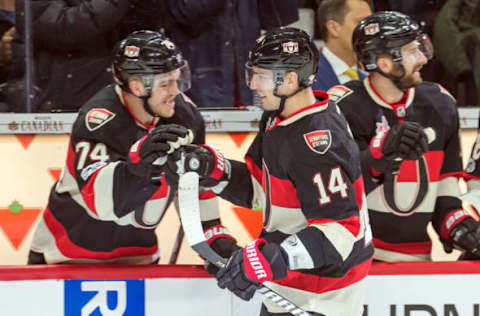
(97, 117)
(318, 141)
(337, 93)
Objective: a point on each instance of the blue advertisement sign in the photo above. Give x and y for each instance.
(105, 298)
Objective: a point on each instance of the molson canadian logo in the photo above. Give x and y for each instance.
(37, 125)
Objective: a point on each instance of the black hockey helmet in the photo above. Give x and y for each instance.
(282, 50)
(146, 54)
(385, 32)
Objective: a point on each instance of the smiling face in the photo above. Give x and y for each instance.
(164, 90)
(261, 80)
(413, 59)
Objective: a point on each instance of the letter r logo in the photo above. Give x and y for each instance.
(100, 300)
(105, 298)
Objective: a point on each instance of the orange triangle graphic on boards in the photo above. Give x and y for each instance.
(238, 137)
(55, 173)
(251, 220)
(16, 222)
(25, 139)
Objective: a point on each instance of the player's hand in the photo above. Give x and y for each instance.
(147, 156)
(404, 141)
(208, 162)
(258, 262)
(461, 231)
(222, 242)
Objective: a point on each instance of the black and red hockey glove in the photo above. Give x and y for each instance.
(404, 141)
(209, 163)
(222, 242)
(148, 155)
(258, 262)
(459, 230)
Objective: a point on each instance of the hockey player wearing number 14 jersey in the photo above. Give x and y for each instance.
(303, 170)
(116, 185)
(408, 134)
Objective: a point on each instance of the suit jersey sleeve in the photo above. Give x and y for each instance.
(97, 177)
(448, 186)
(245, 188)
(472, 170)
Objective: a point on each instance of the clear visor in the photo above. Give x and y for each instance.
(173, 82)
(421, 46)
(258, 78)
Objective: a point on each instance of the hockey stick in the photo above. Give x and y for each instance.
(176, 247)
(192, 226)
(472, 197)
(178, 241)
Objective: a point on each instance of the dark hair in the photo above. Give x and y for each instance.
(331, 10)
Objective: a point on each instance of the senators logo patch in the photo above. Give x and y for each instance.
(290, 47)
(372, 29)
(96, 118)
(319, 141)
(337, 93)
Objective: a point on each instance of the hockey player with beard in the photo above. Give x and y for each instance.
(116, 184)
(303, 170)
(408, 134)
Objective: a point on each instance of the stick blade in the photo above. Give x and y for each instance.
(189, 208)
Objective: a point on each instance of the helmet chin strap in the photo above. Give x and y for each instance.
(283, 99)
(146, 106)
(395, 79)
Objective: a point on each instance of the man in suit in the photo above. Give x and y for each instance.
(338, 62)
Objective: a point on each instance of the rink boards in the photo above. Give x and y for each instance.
(401, 289)
(34, 148)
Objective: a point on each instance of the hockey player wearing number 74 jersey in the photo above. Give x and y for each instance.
(303, 170)
(116, 185)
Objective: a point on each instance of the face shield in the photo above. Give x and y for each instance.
(422, 45)
(259, 78)
(426, 46)
(173, 82)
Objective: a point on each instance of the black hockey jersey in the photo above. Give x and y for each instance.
(304, 172)
(98, 210)
(472, 170)
(426, 190)
(472, 175)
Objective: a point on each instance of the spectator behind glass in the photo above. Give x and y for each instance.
(215, 37)
(457, 44)
(72, 44)
(7, 29)
(336, 21)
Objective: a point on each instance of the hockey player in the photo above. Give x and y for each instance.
(472, 177)
(407, 131)
(116, 186)
(303, 170)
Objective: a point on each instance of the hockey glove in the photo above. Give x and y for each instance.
(258, 262)
(147, 155)
(222, 242)
(209, 163)
(461, 231)
(405, 141)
